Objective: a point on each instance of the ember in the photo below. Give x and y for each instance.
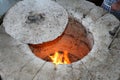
(60, 58)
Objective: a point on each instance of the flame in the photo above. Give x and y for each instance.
(60, 58)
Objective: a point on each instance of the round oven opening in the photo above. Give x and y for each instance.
(74, 44)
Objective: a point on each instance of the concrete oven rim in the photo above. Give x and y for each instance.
(24, 65)
(99, 51)
(90, 55)
(95, 48)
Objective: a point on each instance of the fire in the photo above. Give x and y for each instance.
(60, 58)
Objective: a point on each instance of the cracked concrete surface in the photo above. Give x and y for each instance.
(17, 62)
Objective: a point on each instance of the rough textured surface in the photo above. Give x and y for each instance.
(30, 21)
(17, 62)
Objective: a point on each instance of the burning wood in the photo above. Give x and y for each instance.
(60, 58)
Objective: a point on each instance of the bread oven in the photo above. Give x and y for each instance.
(51, 33)
(44, 34)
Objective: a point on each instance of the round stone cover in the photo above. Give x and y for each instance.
(35, 21)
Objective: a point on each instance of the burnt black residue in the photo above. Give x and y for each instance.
(35, 18)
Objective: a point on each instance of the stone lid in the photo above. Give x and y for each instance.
(35, 21)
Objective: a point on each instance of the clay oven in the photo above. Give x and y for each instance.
(42, 29)
(49, 30)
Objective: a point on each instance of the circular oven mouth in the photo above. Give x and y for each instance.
(73, 45)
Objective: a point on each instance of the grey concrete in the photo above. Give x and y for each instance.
(17, 62)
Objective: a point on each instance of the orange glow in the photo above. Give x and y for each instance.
(60, 58)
